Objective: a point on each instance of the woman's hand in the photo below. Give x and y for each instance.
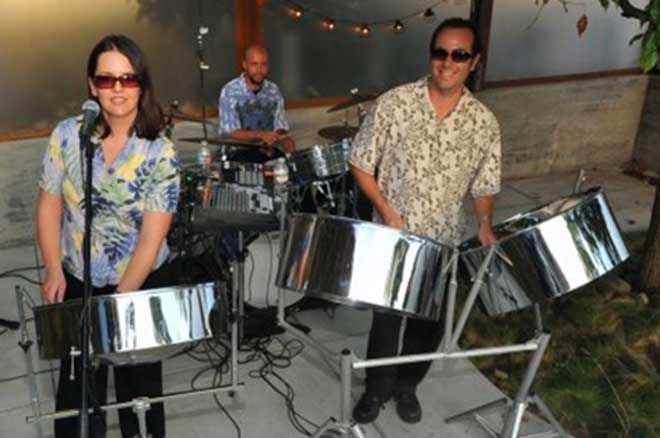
(54, 286)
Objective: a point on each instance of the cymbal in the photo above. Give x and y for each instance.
(222, 141)
(183, 116)
(337, 133)
(353, 100)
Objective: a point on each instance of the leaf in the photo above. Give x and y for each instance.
(605, 4)
(582, 24)
(655, 9)
(649, 57)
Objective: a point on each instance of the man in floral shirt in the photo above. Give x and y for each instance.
(430, 143)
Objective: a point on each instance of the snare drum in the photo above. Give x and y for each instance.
(321, 161)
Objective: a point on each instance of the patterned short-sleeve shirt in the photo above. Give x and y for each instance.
(144, 177)
(241, 108)
(426, 166)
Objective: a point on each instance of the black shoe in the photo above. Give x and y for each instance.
(408, 407)
(367, 408)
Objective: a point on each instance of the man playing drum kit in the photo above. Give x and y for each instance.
(251, 108)
(430, 143)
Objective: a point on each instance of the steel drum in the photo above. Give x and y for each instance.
(548, 252)
(130, 327)
(361, 263)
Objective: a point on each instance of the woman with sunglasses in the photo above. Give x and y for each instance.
(136, 187)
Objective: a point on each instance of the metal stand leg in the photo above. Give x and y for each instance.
(451, 303)
(26, 345)
(511, 428)
(140, 407)
(472, 296)
(344, 428)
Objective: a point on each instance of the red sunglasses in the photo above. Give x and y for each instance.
(105, 82)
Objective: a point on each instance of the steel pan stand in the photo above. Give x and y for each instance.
(345, 428)
(524, 395)
(139, 405)
(26, 345)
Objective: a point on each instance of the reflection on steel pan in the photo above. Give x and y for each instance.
(129, 327)
(354, 262)
(548, 252)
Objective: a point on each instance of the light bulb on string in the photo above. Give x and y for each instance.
(397, 27)
(296, 12)
(364, 30)
(328, 24)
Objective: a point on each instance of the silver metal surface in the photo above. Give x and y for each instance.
(354, 262)
(130, 327)
(321, 161)
(548, 252)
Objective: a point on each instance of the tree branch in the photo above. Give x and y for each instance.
(630, 11)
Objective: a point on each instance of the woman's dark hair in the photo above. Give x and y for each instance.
(458, 23)
(149, 121)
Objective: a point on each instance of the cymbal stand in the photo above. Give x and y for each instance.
(203, 67)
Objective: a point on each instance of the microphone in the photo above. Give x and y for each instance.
(91, 111)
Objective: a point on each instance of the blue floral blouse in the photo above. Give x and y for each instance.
(144, 177)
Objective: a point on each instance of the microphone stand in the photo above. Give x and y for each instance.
(87, 145)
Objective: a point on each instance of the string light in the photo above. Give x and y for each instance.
(296, 12)
(363, 29)
(328, 24)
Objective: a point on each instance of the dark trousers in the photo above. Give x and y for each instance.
(131, 381)
(420, 336)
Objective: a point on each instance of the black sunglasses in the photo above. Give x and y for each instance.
(458, 55)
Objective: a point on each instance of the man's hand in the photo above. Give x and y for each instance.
(269, 137)
(54, 286)
(486, 234)
(288, 145)
(392, 218)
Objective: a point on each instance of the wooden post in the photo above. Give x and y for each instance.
(481, 14)
(249, 26)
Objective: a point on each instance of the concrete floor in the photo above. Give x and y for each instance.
(450, 388)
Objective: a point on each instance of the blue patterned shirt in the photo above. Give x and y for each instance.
(144, 177)
(241, 108)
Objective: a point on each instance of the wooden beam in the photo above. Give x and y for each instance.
(249, 18)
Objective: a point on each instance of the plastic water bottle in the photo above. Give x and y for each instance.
(204, 157)
(280, 172)
(346, 148)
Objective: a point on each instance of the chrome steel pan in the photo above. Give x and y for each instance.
(355, 263)
(130, 327)
(548, 252)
